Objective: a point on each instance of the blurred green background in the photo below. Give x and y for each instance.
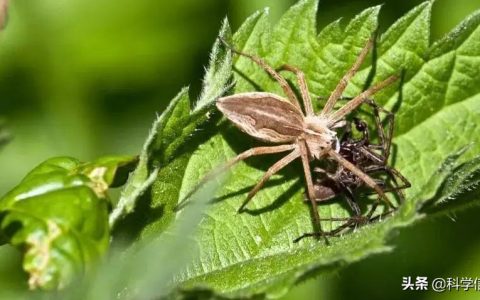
(86, 78)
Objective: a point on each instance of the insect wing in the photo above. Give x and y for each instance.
(264, 116)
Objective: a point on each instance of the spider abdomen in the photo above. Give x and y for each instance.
(265, 116)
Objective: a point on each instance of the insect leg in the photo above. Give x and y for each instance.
(337, 93)
(232, 162)
(272, 170)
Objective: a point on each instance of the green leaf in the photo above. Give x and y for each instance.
(219, 71)
(58, 216)
(169, 145)
(459, 188)
(117, 279)
(241, 255)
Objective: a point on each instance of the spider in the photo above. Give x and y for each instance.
(370, 158)
(277, 120)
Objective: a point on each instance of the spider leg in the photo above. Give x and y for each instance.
(337, 93)
(360, 174)
(355, 102)
(311, 192)
(372, 210)
(302, 83)
(339, 98)
(393, 174)
(279, 78)
(372, 156)
(272, 170)
(350, 197)
(355, 220)
(349, 222)
(380, 216)
(396, 173)
(242, 156)
(358, 220)
(385, 139)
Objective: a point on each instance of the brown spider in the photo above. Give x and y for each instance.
(274, 119)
